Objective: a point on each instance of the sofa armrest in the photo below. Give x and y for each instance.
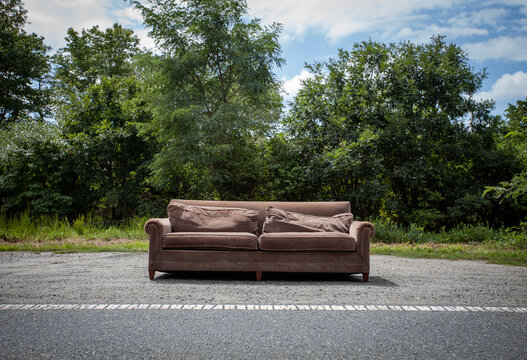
(358, 227)
(156, 229)
(362, 231)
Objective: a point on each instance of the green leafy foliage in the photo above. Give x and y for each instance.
(395, 130)
(46, 228)
(512, 193)
(94, 53)
(96, 157)
(36, 169)
(215, 95)
(103, 119)
(24, 66)
(390, 233)
(103, 129)
(287, 177)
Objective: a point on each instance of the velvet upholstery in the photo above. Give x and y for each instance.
(317, 208)
(161, 258)
(280, 221)
(211, 241)
(189, 218)
(307, 241)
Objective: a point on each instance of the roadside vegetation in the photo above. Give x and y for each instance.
(83, 234)
(469, 242)
(397, 129)
(92, 234)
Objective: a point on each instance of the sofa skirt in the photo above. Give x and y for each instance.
(196, 260)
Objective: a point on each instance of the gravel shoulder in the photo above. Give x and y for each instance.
(123, 278)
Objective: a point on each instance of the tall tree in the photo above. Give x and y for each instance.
(512, 193)
(104, 130)
(214, 94)
(90, 55)
(395, 129)
(101, 115)
(24, 66)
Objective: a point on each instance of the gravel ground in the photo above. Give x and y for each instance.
(123, 278)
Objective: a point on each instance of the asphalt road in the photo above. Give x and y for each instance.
(194, 334)
(76, 307)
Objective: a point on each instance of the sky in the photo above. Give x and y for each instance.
(492, 32)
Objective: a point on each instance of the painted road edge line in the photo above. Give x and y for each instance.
(269, 307)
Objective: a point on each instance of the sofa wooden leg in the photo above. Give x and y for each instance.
(365, 276)
(258, 275)
(151, 273)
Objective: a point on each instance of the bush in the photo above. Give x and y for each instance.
(36, 171)
(45, 227)
(390, 233)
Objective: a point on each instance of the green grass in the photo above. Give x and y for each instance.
(469, 242)
(77, 247)
(83, 234)
(91, 234)
(50, 228)
(484, 252)
(464, 234)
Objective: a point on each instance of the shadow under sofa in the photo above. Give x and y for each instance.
(171, 250)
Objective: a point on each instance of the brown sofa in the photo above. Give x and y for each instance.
(170, 250)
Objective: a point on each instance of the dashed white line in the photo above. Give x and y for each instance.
(267, 307)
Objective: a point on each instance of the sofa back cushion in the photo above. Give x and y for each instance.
(317, 208)
(279, 221)
(346, 219)
(188, 218)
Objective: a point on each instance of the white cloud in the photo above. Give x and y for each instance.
(458, 31)
(52, 18)
(387, 19)
(488, 16)
(503, 47)
(132, 18)
(129, 15)
(508, 87)
(520, 3)
(424, 35)
(338, 19)
(145, 41)
(293, 85)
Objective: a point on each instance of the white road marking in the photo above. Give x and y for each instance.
(268, 307)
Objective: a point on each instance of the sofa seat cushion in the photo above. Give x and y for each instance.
(306, 241)
(211, 241)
